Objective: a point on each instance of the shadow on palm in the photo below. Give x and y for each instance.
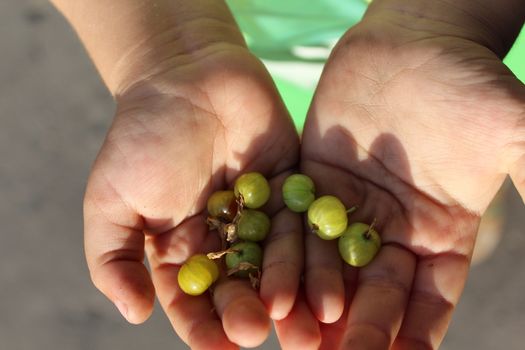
(419, 129)
(420, 271)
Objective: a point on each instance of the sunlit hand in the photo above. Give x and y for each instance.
(177, 137)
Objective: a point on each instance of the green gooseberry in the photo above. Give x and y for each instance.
(197, 274)
(253, 188)
(298, 192)
(327, 216)
(245, 252)
(359, 244)
(253, 225)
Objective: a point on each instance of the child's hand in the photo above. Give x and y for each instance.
(418, 124)
(176, 138)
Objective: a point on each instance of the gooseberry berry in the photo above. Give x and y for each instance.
(298, 192)
(244, 253)
(253, 188)
(197, 274)
(253, 225)
(222, 205)
(359, 244)
(327, 217)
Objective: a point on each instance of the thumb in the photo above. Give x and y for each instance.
(115, 255)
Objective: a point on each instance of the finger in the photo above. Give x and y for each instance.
(282, 264)
(379, 304)
(438, 283)
(244, 317)
(332, 334)
(299, 329)
(115, 254)
(323, 278)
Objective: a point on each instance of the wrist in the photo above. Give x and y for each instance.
(493, 24)
(175, 49)
(131, 40)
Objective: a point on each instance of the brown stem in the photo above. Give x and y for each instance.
(243, 266)
(240, 205)
(216, 224)
(352, 210)
(255, 281)
(368, 233)
(230, 231)
(220, 254)
(213, 223)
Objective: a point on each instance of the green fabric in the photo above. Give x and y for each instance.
(296, 98)
(515, 59)
(273, 27)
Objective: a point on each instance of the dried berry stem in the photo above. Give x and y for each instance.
(213, 223)
(230, 231)
(240, 204)
(220, 254)
(255, 280)
(216, 224)
(368, 233)
(352, 210)
(243, 266)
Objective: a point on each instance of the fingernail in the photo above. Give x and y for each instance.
(122, 308)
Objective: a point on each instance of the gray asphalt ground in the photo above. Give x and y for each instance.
(54, 112)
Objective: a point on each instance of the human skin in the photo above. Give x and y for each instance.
(195, 109)
(417, 121)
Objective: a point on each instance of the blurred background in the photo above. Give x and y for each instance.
(54, 112)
